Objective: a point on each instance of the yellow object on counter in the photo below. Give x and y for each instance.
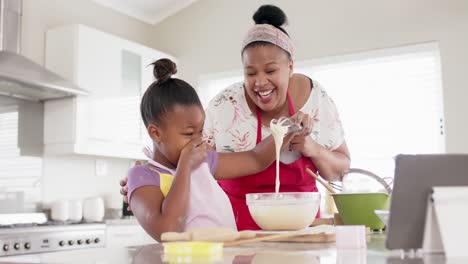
(192, 252)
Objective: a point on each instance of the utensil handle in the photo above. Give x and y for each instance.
(316, 177)
(265, 238)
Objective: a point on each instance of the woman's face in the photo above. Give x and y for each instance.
(267, 69)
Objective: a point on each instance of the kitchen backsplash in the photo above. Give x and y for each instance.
(78, 177)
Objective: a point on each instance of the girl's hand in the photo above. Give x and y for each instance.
(193, 154)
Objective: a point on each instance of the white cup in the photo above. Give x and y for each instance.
(75, 210)
(93, 209)
(351, 237)
(60, 210)
(113, 200)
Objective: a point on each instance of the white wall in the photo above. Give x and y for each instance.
(72, 177)
(206, 38)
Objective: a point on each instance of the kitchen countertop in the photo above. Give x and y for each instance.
(122, 221)
(267, 252)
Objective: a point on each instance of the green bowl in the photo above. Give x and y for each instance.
(358, 208)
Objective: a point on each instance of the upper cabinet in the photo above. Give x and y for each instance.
(116, 73)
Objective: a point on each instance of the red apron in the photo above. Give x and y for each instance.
(293, 178)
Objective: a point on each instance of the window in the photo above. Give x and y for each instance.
(389, 100)
(210, 85)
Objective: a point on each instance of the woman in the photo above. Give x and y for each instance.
(238, 118)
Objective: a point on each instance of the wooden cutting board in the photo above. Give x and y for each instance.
(317, 234)
(314, 234)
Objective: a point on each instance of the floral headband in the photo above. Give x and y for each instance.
(271, 34)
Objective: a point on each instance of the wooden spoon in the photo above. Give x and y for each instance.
(330, 189)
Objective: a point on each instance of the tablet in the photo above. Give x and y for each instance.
(415, 175)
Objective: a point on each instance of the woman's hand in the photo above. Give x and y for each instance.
(303, 142)
(124, 187)
(193, 153)
(306, 121)
(305, 145)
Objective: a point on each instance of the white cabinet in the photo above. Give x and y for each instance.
(116, 73)
(126, 236)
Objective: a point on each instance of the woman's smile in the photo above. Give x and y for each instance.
(265, 96)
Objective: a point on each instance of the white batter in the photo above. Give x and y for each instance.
(284, 217)
(279, 129)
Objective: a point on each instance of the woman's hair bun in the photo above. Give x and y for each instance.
(270, 14)
(164, 69)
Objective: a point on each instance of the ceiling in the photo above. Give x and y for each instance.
(149, 11)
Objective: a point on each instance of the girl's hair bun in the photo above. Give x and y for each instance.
(164, 69)
(270, 14)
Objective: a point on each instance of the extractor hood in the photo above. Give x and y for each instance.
(19, 76)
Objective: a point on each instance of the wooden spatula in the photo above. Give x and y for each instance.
(267, 238)
(330, 189)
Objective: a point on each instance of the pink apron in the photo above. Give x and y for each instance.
(208, 204)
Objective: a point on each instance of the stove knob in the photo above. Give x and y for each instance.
(88, 241)
(97, 240)
(79, 241)
(62, 243)
(27, 245)
(6, 247)
(16, 246)
(71, 242)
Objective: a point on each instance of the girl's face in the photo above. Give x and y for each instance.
(267, 69)
(179, 126)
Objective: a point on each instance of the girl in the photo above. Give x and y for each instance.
(176, 190)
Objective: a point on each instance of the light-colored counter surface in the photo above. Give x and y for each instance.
(122, 221)
(269, 252)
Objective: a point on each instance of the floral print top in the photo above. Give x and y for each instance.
(230, 125)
